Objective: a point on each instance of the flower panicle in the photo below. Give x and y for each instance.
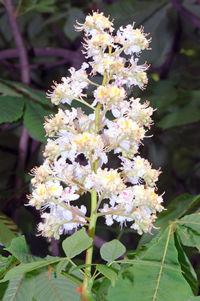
(79, 144)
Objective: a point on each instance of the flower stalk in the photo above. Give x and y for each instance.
(76, 153)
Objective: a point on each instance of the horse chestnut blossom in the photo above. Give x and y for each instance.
(78, 145)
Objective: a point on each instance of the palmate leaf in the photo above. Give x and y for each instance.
(41, 286)
(6, 235)
(23, 90)
(112, 250)
(189, 230)
(76, 243)
(9, 91)
(155, 276)
(28, 267)
(11, 108)
(108, 272)
(19, 248)
(20, 288)
(34, 120)
(186, 266)
(177, 208)
(182, 116)
(50, 288)
(7, 263)
(9, 223)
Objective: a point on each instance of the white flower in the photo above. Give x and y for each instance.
(79, 143)
(105, 180)
(71, 87)
(109, 95)
(111, 64)
(95, 23)
(133, 40)
(97, 44)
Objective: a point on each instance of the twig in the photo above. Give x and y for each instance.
(74, 57)
(188, 15)
(25, 77)
(45, 66)
(23, 58)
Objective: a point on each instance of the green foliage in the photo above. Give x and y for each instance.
(184, 203)
(53, 289)
(42, 6)
(28, 267)
(7, 263)
(182, 116)
(34, 120)
(188, 230)
(9, 223)
(20, 288)
(9, 91)
(36, 107)
(112, 250)
(61, 266)
(41, 286)
(76, 243)
(20, 250)
(186, 267)
(12, 108)
(73, 15)
(158, 270)
(173, 89)
(6, 235)
(108, 272)
(163, 260)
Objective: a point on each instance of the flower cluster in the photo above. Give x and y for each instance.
(77, 149)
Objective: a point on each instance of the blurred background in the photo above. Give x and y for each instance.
(38, 44)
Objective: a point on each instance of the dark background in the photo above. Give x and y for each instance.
(38, 44)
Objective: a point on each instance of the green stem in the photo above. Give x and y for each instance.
(85, 103)
(88, 278)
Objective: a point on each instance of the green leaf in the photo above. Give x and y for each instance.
(6, 263)
(61, 266)
(5, 89)
(187, 268)
(177, 208)
(182, 116)
(112, 250)
(35, 26)
(196, 298)
(76, 243)
(123, 290)
(19, 248)
(9, 223)
(28, 92)
(20, 288)
(11, 107)
(73, 15)
(158, 271)
(28, 267)
(34, 120)
(78, 267)
(46, 6)
(55, 289)
(189, 230)
(108, 272)
(3, 289)
(6, 235)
